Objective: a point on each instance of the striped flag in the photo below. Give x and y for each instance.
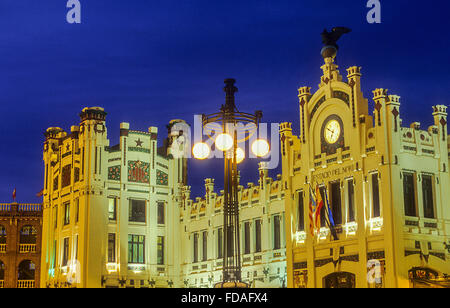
(329, 217)
(14, 194)
(312, 208)
(319, 202)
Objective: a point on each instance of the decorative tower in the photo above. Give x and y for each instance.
(92, 214)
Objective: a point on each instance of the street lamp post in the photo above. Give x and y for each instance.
(227, 141)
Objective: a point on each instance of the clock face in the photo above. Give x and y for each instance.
(332, 131)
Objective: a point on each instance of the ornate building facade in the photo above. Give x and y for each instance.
(121, 216)
(110, 213)
(262, 236)
(20, 245)
(388, 187)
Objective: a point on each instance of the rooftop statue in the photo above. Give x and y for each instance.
(330, 39)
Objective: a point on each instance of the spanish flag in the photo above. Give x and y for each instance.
(319, 203)
(14, 195)
(312, 208)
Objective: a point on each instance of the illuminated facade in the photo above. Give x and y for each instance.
(262, 236)
(121, 216)
(20, 245)
(110, 214)
(387, 185)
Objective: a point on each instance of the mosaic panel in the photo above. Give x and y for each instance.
(114, 173)
(161, 178)
(138, 172)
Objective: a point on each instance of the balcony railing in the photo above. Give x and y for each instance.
(4, 207)
(25, 284)
(29, 207)
(27, 248)
(24, 209)
(2, 248)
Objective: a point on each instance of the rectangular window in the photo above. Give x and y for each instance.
(2, 235)
(77, 209)
(160, 250)
(65, 252)
(76, 248)
(195, 248)
(76, 174)
(136, 244)
(276, 232)
(82, 161)
(46, 176)
(66, 213)
(95, 160)
(136, 211)
(375, 196)
(55, 183)
(258, 225)
(336, 206)
(161, 213)
(247, 237)
(111, 247)
(55, 249)
(351, 200)
(220, 243)
(409, 196)
(322, 210)
(56, 217)
(65, 175)
(427, 193)
(112, 208)
(300, 212)
(205, 245)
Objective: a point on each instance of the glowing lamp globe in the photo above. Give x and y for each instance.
(240, 155)
(224, 142)
(201, 150)
(260, 147)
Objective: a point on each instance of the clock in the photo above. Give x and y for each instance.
(332, 134)
(332, 131)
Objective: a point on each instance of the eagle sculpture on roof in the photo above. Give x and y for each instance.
(330, 38)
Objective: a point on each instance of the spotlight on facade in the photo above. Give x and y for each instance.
(201, 150)
(260, 147)
(224, 142)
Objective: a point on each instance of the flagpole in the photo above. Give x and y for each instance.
(312, 210)
(332, 229)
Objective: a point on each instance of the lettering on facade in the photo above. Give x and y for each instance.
(320, 177)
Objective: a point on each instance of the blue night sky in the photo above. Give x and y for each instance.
(147, 62)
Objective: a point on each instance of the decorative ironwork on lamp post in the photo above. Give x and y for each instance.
(227, 122)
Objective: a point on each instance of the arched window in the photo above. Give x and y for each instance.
(26, 270)
(339, 280)
(2, 235)
(28, 235)
(2, 270)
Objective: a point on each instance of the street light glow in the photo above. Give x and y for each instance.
(240, 155)
(201, 150)
(224, 142)
(260, 147)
